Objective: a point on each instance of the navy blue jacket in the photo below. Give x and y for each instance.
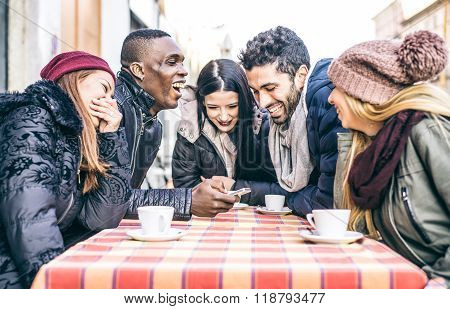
(322, 124)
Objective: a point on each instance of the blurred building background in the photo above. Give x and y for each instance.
(33, 31)
(401, 17)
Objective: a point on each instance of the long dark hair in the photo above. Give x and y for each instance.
(227, 75)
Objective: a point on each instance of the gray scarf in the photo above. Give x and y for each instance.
(288, 145)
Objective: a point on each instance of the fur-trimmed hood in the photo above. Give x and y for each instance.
(188, 127)
(49, 95)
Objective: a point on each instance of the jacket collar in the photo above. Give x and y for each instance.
(49, 95)
(139, 97)
(316, 78)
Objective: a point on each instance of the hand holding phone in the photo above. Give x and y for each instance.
(240, 192)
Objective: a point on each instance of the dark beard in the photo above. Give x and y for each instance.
(293, 100)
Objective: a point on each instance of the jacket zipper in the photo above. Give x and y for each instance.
(411, 215)
(398, 237)
(72, 200)
(137, 138)
(145, 123)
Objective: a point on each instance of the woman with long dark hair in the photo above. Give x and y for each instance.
(64, 165)
(223, 134)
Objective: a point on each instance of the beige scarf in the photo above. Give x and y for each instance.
(288, 145)
(224, 145)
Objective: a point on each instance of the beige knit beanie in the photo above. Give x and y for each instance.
(375, 71)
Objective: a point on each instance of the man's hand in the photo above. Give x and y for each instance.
(227, 181)
(208, 201)
(216, 184)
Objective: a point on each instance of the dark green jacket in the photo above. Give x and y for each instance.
(415, 217)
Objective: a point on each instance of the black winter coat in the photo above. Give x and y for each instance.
(40, 188)
(144, 134)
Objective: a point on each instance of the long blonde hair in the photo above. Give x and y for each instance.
(89, 147)
(423, 97)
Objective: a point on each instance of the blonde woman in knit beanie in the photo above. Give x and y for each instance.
(395, 166)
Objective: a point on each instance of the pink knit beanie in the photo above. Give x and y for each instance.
(375, 71)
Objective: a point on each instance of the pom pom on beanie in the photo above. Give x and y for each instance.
(422, 56)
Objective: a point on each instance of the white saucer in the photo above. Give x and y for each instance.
(173, 234)
(266, 211)
(240, 206)
(349, 237)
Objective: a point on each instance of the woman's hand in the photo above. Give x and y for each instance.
(108, 113)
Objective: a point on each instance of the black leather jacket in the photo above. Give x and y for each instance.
(144, 134)
(40, 184)
(143, 131)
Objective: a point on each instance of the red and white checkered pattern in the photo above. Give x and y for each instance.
(238, 249)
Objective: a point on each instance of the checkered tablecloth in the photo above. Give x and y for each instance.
(238, 249)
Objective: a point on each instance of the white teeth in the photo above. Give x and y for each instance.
(276, 109)
(178, 85)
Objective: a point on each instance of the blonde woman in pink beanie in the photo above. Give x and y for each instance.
(394, 168)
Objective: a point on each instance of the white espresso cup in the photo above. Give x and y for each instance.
(155, 220)
(329, 222)
(274, 202)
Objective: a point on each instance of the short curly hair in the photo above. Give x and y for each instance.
(280, 45)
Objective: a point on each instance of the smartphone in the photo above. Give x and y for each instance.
(240, 192)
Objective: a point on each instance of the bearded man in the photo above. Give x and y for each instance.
(304, 126)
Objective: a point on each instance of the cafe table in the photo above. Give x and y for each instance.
(240, 249)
